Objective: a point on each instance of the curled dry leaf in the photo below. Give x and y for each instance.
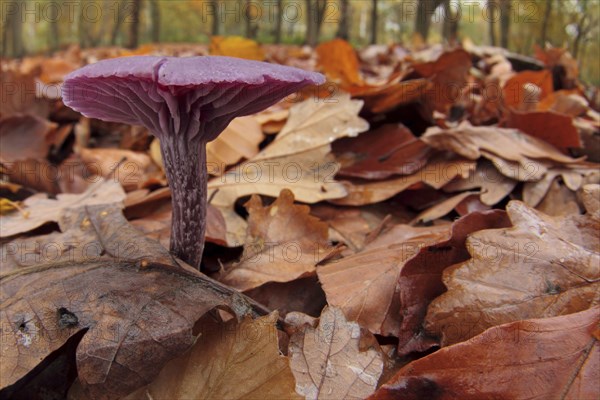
(494, 186)
(436, 173)
(132, 169)
(309, 175)
(533, 359)
(543, 266)
(518, 150)
(313, 124)
(554, 128)
(24, 137)
(283, 242)
(339, 62)
(364, 285)
(394, 94)
(230, 360)
(441, 209)
(136, 304)
(526, 88)
(39, 209)
(420, 279)
(327, 362)
(389, 150)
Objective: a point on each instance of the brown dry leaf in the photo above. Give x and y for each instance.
(533, 359)
(441, 209)
(389, 150)
(517, 150)
(36, 174)
(132, 169)
(364, 285)
(309, 175)
(541, 267)
(53, 70)
(389, 96)
(239, 140)
(494, 186)
(230, 361)
(24, 137)
(18, 95)
(526, 88)
(133, 305)
(437, 173)
(554, 128)
(236, 46)
(40, 209)
(327, 362)
(339, 62)
(313, 124)
(590, 196)
(449, 73)
(283, 242)
(420, 279)
(569, 102)
(559, 200)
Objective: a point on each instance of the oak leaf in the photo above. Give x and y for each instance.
(543, 266)
(83, 280)
(327, 362)
(532, 359)
(39, 209)
(229, 360)
(339, 61)
(283, 242)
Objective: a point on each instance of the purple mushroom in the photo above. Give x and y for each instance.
(185, 102)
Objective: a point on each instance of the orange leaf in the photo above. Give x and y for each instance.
(338, 60)
(236, 46)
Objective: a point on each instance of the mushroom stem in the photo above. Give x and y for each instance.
(185, 166)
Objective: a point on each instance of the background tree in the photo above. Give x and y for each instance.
(315, 13)
(12, 32)
(155, 24)
(544, 31)
(343, 27)
(425, 10)
(278, 21)
(505, 9)
(134, 25)
(491, 16)
(374, 22)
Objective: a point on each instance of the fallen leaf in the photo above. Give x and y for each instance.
(18, 95)
(543, 266)
(283, 242)
(381, 153)
(494, 186)
(441, 209)
(554, 128)
(230, 360)
(136, 305)
(239, 140)
(509, 146)
(313, 124)
(364, 285)
(437, 173)
(236, 46)
(339, 62)
(40, 209)
(526, 88)
(392, 95)
(24, 137)
(309, 175)
(532, 359)
(559, 200)
(420, 280)
(327, 362)
(449, 75)
(132, 169)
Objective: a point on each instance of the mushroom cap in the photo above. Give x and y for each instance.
(194, 95)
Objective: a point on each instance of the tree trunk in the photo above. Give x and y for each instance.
(504, 22)
(155, 14)
(374, 22)
(492, 4)
(450, 25)
(12, 34)
(117, 27)
(248, 16)
(311, 39)
(279, 21)
(547, 13)
(343, 28)
(215, 19)
(134, 25)
(425, 10)
(320, 9)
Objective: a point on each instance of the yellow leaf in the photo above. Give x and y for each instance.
(236, 46)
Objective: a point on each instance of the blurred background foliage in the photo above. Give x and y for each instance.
(43, 26)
